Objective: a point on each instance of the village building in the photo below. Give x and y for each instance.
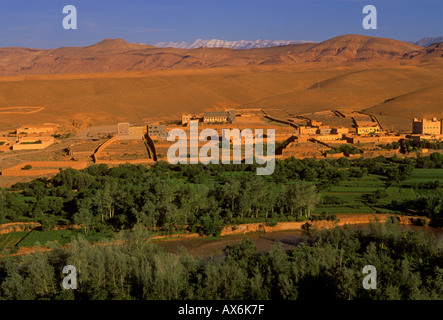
(186, 118)
(307, 130)
(341, 130)
(215, 117)
(367, 139)
(247, 117)
(157, 131)
(425, 137)
(366, 128)
(126, 132)
(137, 131)
(32, 137)
(427, 127)
(33, 143)
(6, 142)
(329, 137)
(123, 129)
(324, 130)
(47, 129)
(219, 116)
(314, 123)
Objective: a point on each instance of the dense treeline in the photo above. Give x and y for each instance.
(430, 205)
(412, 145)
(326, 265)
(201, 198)
(158, 198)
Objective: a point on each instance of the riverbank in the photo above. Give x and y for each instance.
(242, 229)
(342, 220)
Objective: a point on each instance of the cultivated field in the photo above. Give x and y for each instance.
(351, 193)
(32, 238)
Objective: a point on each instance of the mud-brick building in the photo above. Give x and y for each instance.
(33, 143)
(157, 131)
(126, 132)
(123, 129)
(429, 127)
(307, 130)
(365, 128)
(46, 129)
(186, 118)
(219, 116)
(340, 130)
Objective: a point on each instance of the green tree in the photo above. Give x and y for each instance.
(84, 218)
(300, 198)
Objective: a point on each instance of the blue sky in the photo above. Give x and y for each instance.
(38, 23)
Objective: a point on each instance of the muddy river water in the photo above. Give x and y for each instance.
(263, 241)
(215, 246)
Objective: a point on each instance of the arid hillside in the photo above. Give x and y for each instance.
(433, 51)
(382, 76)
(118, 55)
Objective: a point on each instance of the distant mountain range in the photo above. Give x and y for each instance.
(242, 44)
(118, 55)
(246, 44)
(428, 41)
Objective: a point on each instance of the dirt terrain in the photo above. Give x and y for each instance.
(116, 81)
(88, 90)
(138, 97)
(118, 55)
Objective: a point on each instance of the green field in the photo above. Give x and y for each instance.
(11, 239)
(43, 237)
(352, 192)
(29, 239)
(424, 175)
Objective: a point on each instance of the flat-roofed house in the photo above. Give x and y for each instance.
(157, 131)
(314, 123)
(186, 118)
(342, 130)
(33, 143)
(364, 128)
(40, 130)
(126, 132)
(219, 116)
(324, 130)
(328, 137)
(424, 126)
(123, 129)
(307, 130)
(215, 116)
(231, 116)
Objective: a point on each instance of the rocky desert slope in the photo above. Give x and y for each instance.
(115, 81)
(118, 55)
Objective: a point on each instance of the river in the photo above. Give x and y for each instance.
(206, 247)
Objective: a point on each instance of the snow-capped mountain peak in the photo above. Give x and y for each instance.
(241, 44)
